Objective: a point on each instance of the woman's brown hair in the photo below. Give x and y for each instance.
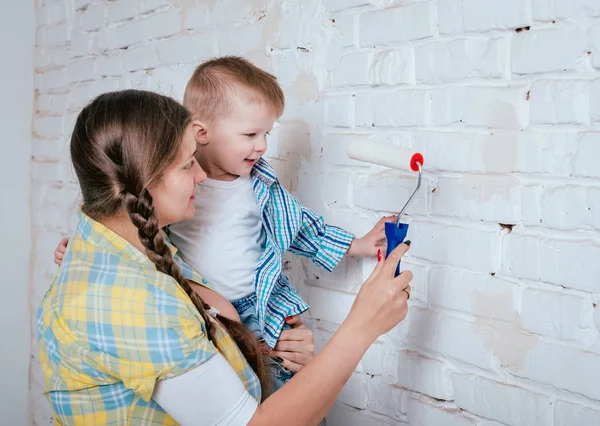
(121, 146)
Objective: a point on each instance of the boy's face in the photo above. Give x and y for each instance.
(233, 143)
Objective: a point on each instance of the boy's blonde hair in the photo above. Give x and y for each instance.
(208, 93)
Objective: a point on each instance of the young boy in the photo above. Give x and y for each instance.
(245, 220)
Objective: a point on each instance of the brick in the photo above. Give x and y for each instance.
(478, 197)
(393, 67)
(509, 404)
(353, 70)
(155, 26)
(239, 40)
(330, 306)
(49, 58)
(48, 127)
(439, 333)
(354, 392)
(426, 414)
(189, 48)
(335, 149)
(51, 13)
(498, 151)
(124, 10)
(425, 375)
(387, 400)
(339, 111)
(388, 192)
(499, 107)
(337, 5)
(594, 95)
(91, 19)
(81, 69)
(530, 55)
(84, 45)
(580, 8)
(450, 17)
(478, 294)
(588, 150)
(562, 367)
(347, 25)
(558, 314)
(484, 15)
(53, 35)
(403, 108)
(336, 190)
(569, 414)
(341, 415)
(546, 153)
(140, 58)
(196, 16)
(458, 59)
(542, 10)
(594, 37)
(560, 102)
(412, 21)
(52, 102)
(445, 244)
(566, 263)
(565, 207)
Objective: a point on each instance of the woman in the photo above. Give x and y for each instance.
(124, 339)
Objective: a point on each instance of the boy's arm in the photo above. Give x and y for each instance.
(326, 245)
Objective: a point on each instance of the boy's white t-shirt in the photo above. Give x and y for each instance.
(224, 239)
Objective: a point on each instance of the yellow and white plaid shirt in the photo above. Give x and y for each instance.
(111, 326)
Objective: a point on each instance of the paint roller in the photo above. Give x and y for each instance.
(395, 158)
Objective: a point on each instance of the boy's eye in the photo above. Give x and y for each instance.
(250, 135)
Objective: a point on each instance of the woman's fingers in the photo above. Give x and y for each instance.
(302, 346)
(296, 334)
(293, 357)
(391, 263)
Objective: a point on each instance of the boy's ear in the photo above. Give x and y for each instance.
(200, 132)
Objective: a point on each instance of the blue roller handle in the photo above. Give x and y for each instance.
(395, 236)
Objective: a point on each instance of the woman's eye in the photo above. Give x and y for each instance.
(190, 165)
(250, 135)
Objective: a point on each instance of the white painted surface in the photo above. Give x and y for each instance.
(16, 106)
(502, 98)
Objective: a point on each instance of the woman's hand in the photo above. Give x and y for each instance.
(295, 346)
(381, 302)
(60, 251)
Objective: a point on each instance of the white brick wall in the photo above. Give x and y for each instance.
(503, 100)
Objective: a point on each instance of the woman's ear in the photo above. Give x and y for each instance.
(200, 132)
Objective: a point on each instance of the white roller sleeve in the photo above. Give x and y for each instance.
(384, 155)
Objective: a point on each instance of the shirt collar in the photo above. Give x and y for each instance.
(263, 171)
(99, 235)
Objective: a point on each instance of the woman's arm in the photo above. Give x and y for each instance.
(214, 299)
(379, 306)
(212, 395)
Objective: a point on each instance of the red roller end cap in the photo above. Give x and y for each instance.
(416, 158)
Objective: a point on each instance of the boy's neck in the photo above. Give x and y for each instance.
(213, 172)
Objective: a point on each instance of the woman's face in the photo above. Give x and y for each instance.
(173, 197)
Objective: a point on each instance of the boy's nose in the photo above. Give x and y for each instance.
(261, 146)
(200, 175)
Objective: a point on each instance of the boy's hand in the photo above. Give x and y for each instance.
(60, 251)
(369, 244)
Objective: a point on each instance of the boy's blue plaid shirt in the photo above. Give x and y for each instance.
(289, 227)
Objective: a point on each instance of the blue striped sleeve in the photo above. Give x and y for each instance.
(326, 245)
